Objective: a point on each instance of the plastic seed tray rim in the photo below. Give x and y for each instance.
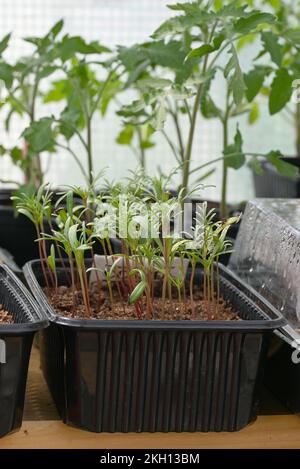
(254, 325)
(16, 288)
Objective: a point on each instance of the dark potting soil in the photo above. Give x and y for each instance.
(62, 302)
(5, 316)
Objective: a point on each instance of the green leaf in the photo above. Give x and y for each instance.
(254, 113)
(175, 25)
(293, 35)
(155, 82)
(145, 144)
(2, 150)
(39, 135)
(51, 259)
(72, 236)
(56, 29)
(132, 109)
(190, 8)
(271, 44)
(237, 159)
(166, 54)
(16, 154)
(137, 292)
(69, 121)
(57, 93)
(126, 135)
(4, 43)
(207, 106)
(70, 203)
(6, 74)
(235, 79)
(27, 214)
(46, 71)
(247, 24)
(131, 57)
(285, 169)
(281, 91)
(199, 52)
(110, 90)
(254, 80)
(256, 166)
(70, 46)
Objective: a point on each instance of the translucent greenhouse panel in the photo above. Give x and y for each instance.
(267, 253)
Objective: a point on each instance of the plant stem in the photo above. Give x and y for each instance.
(189, 148)
(67, 148)
(297, 118)
(72, 278)
(89, 152)
(188, 154)
(192, 288)
(218, 285)
(212, 289)
(142, 150)
(225, 167)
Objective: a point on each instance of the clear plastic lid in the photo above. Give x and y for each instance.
(267, 253)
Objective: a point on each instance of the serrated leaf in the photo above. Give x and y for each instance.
(235, 77)
(284, 168)
(249, 23)
(237, 159)
(271, 45)
(57, 93)
(175, 25)
(71, 45)
(166, 54)
(39, 135)
(207, 106)
(190, 8)
(281, 91)
(6, 74)
(254, 81)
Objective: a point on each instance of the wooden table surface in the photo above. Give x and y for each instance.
(42, 429)
(267, 432)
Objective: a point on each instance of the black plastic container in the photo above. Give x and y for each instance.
(274, 185)
(15, 346)
(17, 232)
(158, 376)
(282, 375)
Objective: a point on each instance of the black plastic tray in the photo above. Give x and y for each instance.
(273, 184)
(120, 376)
(16, 340)
(282, 375)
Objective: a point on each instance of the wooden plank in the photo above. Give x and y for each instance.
(267, 432)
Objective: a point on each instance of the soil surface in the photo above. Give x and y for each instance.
(63, 304)
(5, 316)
